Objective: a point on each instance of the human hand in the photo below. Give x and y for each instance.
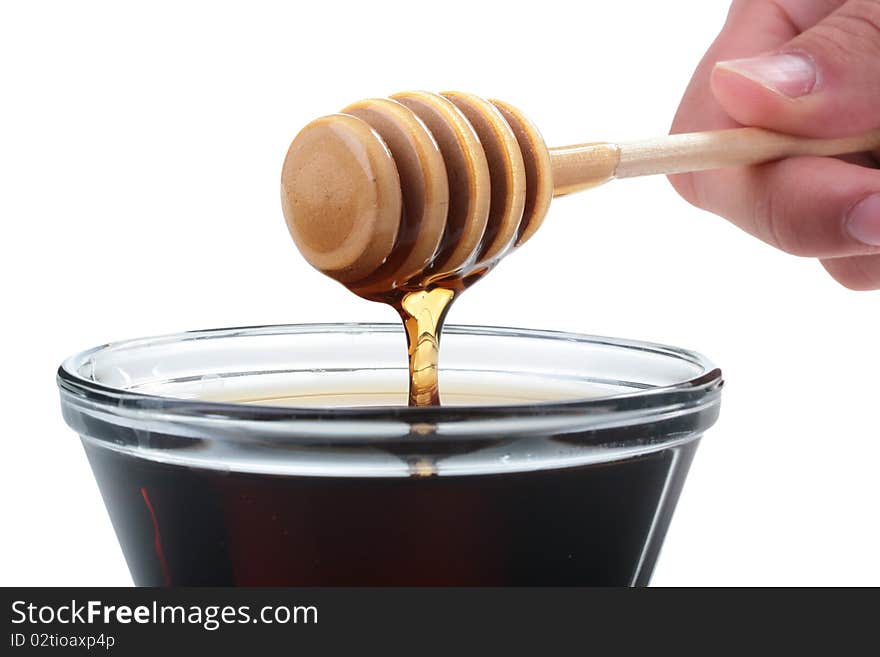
(806, 67)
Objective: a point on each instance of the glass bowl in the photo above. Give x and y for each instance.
(284, 455)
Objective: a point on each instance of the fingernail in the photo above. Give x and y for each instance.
(789, 74)
(863, 222)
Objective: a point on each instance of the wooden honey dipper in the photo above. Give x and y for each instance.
(424, 190)
(409, 200)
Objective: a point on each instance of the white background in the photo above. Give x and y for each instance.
(140, 153)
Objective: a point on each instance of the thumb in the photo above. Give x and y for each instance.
(823, 83)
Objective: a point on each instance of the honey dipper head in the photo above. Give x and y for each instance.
(416, 189)
(341, 196)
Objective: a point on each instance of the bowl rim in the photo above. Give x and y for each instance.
(698, 391)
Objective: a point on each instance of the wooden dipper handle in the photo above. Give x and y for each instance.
(587, 165)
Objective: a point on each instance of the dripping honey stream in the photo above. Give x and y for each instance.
(423, 312)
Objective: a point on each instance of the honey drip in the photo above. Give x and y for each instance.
(423, 312)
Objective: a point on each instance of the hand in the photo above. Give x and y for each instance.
(806, 67)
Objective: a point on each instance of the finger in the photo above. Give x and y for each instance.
(860, 273)
(698, 109)
(806, 206)
(823, 82)
(804, 15)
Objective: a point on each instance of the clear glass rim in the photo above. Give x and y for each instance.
(698, 391)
